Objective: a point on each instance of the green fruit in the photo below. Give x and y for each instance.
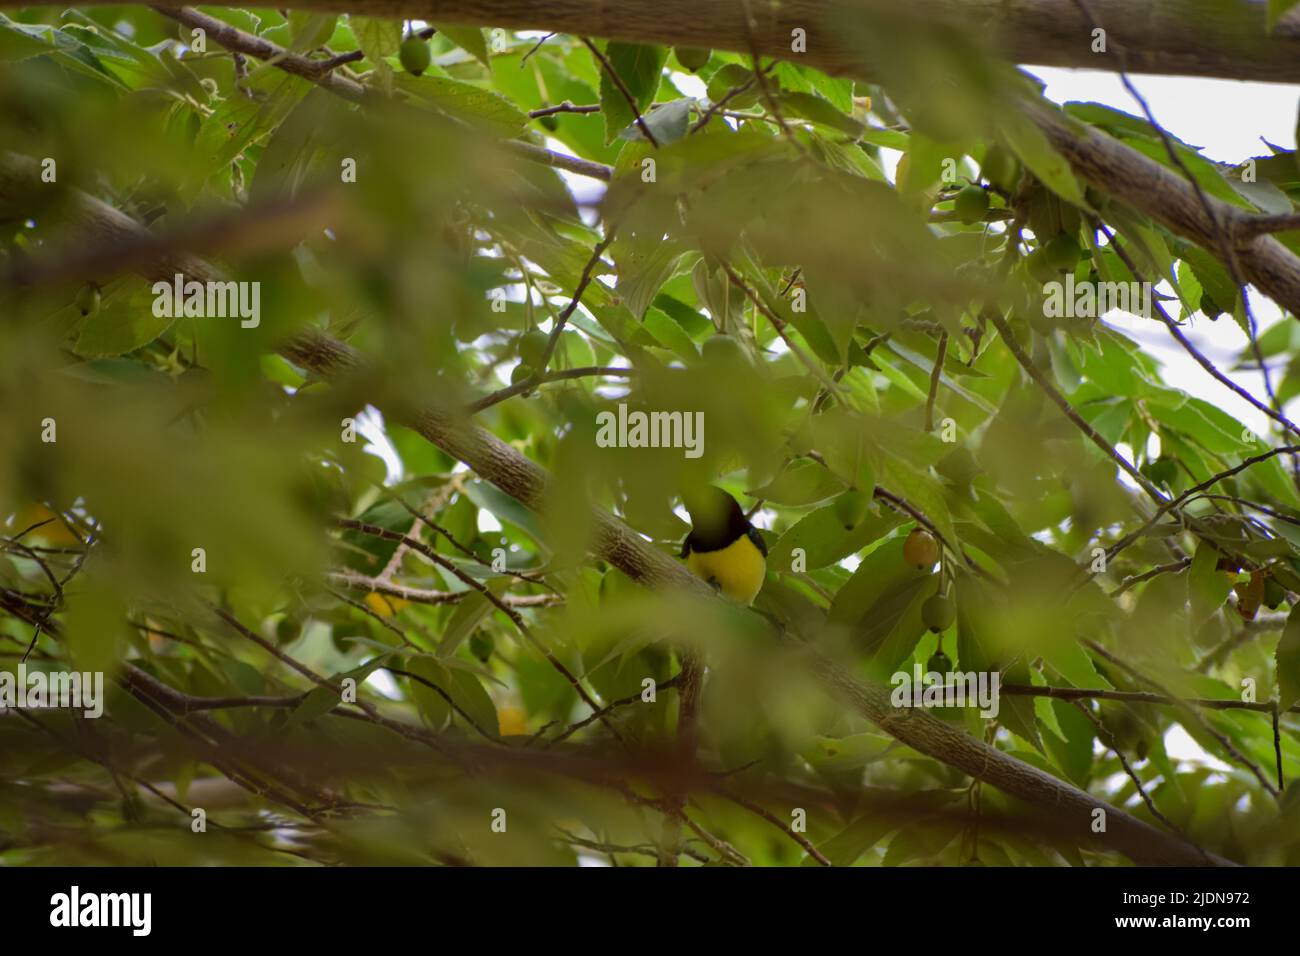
(1001, 169)
(1062, 252)
(522, 373)
(938, 663)
(550, 122)
(851, 507)
(1039, 267)
(958, 466)
(693, 58)
(481, 646)
(414, 54)
(920, 550)
(532, 347)
(88, 299)
(1274, 594)
(722, 349)
(971, 204)
(938, 612)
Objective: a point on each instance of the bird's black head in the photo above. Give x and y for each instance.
(716, 518)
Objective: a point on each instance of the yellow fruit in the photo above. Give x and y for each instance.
(512, 721)
(920, 550)
(385, 605)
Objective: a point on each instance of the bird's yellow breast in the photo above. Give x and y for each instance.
(737, 570)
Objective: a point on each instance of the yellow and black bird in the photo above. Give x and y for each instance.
(723, 548)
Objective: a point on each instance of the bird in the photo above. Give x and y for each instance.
(723, 548)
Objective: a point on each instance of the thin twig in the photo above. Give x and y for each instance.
(1200, 720)
(934, 382)
(622, 88)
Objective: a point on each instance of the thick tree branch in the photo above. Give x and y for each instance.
(1181, 37)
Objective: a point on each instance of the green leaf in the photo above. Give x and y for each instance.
(124, 322)
(433, 706)
(818, 110)
(1207, 587)
(825, 540)
(1031, 147)
(19, 41)
(640, 67)
(667, 122)
(643, 265)
(310, 30)
(802, 482)
(472, 697)
(1277, 9)
(1288, 662)
(469, 613)
(880, 574)
(504, 507)
(1017, 713)
(465, 101)
(470, 39)
(730, 77)
(377, 37)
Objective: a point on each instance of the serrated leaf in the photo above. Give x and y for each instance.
(466, 102)
(1031, 147)
(377, 37)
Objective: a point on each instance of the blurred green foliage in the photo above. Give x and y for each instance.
(770, 275)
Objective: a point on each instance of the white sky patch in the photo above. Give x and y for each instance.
(1180, 745)
(1227, 119)
(383, 682)
(370, 426)
(689, 84)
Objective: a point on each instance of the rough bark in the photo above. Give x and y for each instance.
(1184, 37)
